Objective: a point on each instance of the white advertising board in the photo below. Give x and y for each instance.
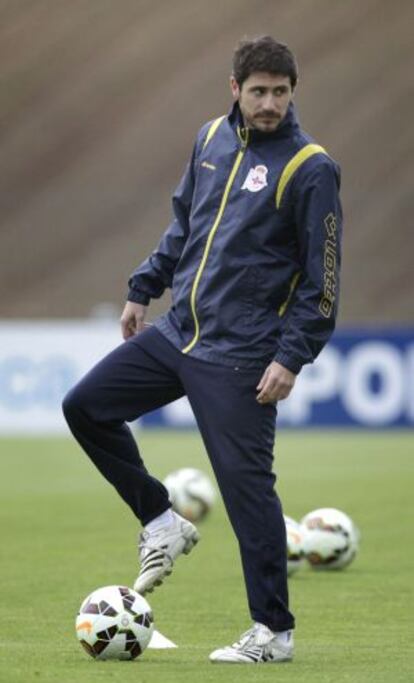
(362, 378)
(39, 362)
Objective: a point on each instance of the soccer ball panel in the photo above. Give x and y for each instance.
(114, 622)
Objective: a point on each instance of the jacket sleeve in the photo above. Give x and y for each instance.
(156, 273)
(310, 317)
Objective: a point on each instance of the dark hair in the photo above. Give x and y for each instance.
(264, 54)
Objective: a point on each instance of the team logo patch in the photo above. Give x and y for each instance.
(256, 179)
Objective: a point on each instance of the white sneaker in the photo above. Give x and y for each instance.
(159, 549)
(258, 645)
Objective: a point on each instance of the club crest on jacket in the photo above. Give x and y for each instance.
(256, 179)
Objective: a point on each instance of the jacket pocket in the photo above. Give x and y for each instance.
(257, 299)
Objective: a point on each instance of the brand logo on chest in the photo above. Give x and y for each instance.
(256, 179)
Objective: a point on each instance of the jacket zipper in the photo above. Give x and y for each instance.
(244, 141)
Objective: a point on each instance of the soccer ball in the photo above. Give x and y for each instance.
(114, 622)
(330, 539)
(191, 493)
(294, 538)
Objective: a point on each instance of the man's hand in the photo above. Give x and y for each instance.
(132, 319)
(275, 384)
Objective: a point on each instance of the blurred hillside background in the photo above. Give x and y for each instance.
(100, 103)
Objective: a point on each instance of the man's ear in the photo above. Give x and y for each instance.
(235, 89)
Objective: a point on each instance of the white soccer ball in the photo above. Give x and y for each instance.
(331, 539)
(294, 539)
(191, 493)
(114, 622)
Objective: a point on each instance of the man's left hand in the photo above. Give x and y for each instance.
(275, 384)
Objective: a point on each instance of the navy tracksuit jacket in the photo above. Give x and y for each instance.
(252, 258)
(252, 255)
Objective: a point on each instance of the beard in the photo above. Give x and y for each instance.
(266, 122)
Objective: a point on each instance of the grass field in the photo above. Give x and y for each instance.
(65, 533)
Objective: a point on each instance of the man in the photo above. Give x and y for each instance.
(252, 258)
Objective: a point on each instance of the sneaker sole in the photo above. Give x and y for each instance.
(285, 660)
(191, 542)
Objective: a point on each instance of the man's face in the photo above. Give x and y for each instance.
(263, 99)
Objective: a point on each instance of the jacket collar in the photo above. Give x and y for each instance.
(286, 127)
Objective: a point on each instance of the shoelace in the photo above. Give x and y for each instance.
(246, 637)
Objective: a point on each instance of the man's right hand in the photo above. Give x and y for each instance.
(132, 319)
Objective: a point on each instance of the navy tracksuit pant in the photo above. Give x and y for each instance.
(147, 372)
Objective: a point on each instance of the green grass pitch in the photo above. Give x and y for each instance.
(65, 533)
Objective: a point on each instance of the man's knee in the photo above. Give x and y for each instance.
(74, 403)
